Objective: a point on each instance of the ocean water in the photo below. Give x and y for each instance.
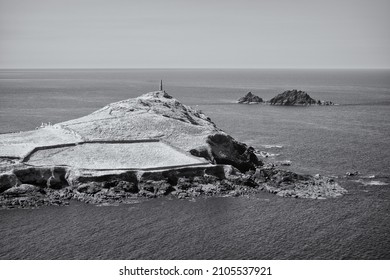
(353, 136)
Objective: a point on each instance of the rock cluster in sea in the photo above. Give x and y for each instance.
(287, 98)
(232, 168)
(250, 98)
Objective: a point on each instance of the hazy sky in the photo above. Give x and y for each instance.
(196, 33)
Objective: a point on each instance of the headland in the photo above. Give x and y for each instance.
(148, 146)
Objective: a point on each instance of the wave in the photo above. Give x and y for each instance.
(371, 183)
(369, 177)
(272, 146)
(374, 183)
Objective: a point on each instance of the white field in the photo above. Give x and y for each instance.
(19, 144)
(114, 156)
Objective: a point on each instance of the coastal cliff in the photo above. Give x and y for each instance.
(148, 146)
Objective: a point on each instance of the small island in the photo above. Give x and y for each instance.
(296, 97)
(293, 97)
(250, 98)
(144, 147)
(287, 98)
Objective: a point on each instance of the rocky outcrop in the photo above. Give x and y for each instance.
(293, 97)
(289, 184)
(7, 181)
(223, 149)
(250, 98)
(52, 177)
(325, 103)
(297, 97)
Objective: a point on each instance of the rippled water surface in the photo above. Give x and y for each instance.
(326, 140)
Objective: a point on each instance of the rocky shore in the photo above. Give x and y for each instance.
(223, 181)
(218, 165)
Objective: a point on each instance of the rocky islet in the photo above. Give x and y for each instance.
(287, 98)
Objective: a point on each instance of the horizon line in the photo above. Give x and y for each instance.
(200, 68)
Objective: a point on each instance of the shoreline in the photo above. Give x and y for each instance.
(185, 183)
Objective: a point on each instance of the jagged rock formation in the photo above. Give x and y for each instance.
(293, 97)
(297, 97)
(250, 98)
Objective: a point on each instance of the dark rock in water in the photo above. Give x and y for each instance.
(292, 97)
(250, 98)
(297, 97)
(325, 103)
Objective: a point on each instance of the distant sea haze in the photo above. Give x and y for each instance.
(330, 140)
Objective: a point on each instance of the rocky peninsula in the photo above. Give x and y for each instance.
(149, 146)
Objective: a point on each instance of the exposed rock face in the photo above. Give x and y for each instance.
(250, 98)
(53, 177)
(223, 149)
(293, 97)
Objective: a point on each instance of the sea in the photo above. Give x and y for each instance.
(352, 136)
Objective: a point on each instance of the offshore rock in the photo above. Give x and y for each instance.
(296, 97)
(325, 103)
(250, 98)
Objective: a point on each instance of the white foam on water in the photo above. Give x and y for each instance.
(272, 146)
(369, 177)
(266, 154)
(374, 183)
(371, 183)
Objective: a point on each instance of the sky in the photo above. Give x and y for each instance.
(194, 34)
